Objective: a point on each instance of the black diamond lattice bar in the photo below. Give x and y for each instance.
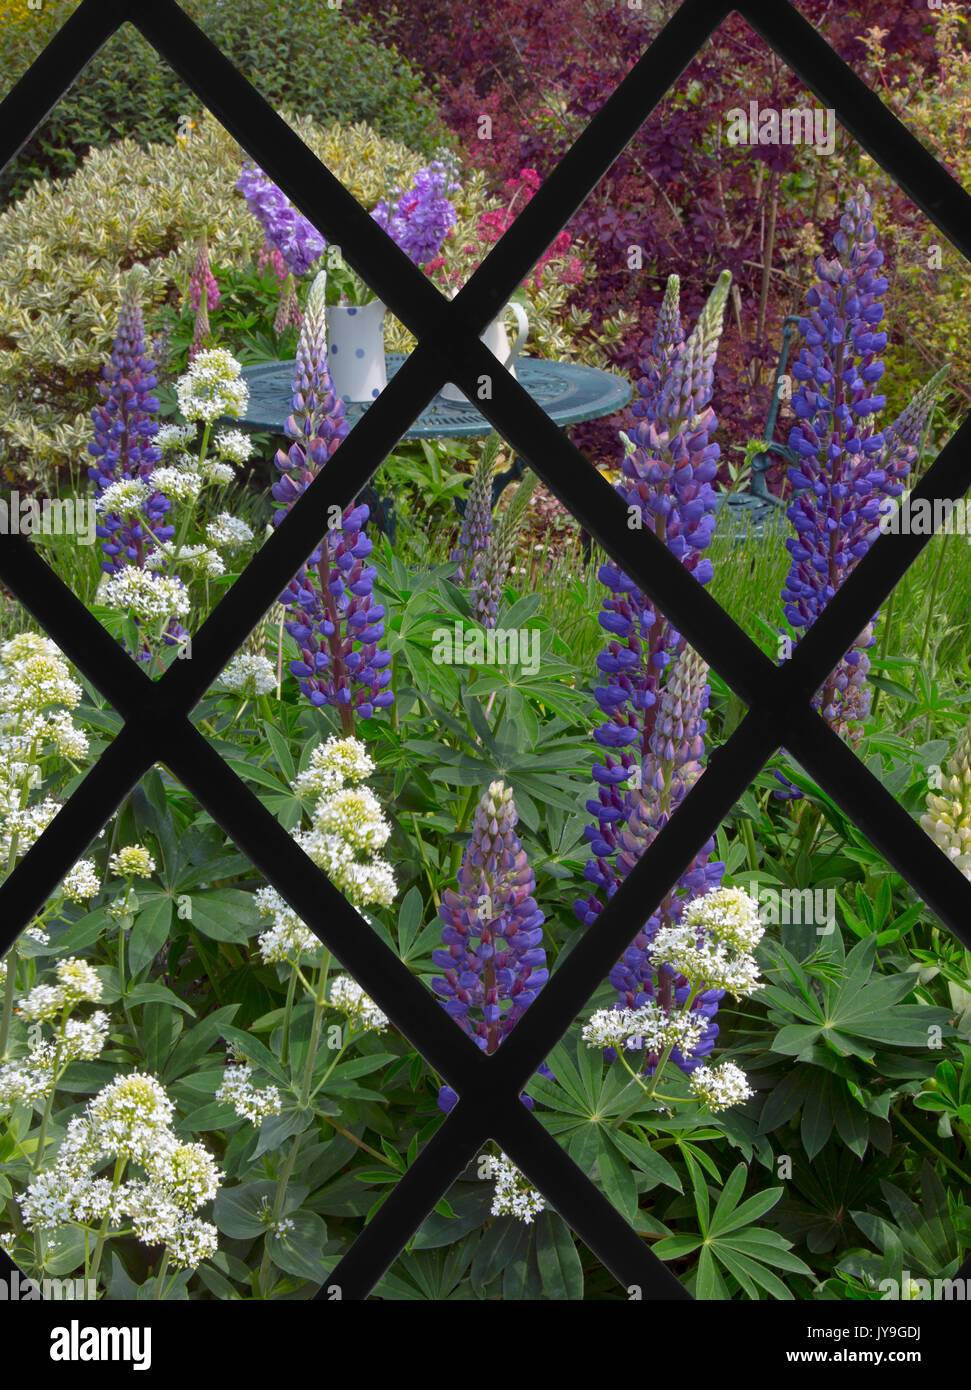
(157, 728)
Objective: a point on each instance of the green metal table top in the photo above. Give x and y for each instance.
(567, 392)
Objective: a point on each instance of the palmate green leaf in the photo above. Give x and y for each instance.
(617, 1179)
(727, 1198)
(505, 1239)
(582, 1146)
(556, 1257)
(569, 1080)
(750, 1273)
(723, 1223)
(651, 1163)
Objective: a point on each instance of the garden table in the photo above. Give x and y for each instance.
(567, 391)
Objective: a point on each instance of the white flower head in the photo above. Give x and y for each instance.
(731, 916)
(349, 998)
(229, 532)
(187, 1172)
(175, 437)
(721, 1086)
(705, 962)
(82, 882)
(513, 1195)
(132, 861)
(143, 594)
(212, 387)
(250, 674)
(43, 1003)
(69, 741)
(288, 939)
(130, 1117)
(332, 764)
(233, 445)
(214, 471)
(123, 497)
(249, 1103)
(26, 826)
(177, 484)
(78, 981)
(650, 1028)
(355, 815)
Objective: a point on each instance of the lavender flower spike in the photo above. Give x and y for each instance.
(333, 618)
(422, 217)
(286, 229)
(492, 951)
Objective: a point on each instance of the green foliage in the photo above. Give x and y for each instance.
(301, 55)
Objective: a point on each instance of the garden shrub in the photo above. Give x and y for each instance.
(64, 247)
(300, 54)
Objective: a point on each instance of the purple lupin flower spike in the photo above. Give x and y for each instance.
(677, 747)
(202, 279)
(203, 296)
(847, 468)
(656, 689)
(473, 542)
(333, 617)
(492, 948)
(124, 429)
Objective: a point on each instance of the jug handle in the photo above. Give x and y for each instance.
(522, 323)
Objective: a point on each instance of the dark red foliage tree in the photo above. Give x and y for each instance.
(688, 202)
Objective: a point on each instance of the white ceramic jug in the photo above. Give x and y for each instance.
(497, 342)
(355, 350)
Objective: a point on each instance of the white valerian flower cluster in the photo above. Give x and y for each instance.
(132, 861)
(172, 438)
(250, 674)
(143, 594)
(35, 1076)
(212, 387)
(178, 484)
(720, 1086)
(198, 559)
(37, 693)
(125, 496)
(651, 1028)
(347, 823)
(237, 1090)
(129, 1121)
(82, 882)
(332, 764)
(513, 1196)
(711, 945)
(349, 998)
(288, 939)
(229, 532)
(730, 914)
(77, 983)
(233, 445)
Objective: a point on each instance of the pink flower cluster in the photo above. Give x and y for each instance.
(492, 225)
